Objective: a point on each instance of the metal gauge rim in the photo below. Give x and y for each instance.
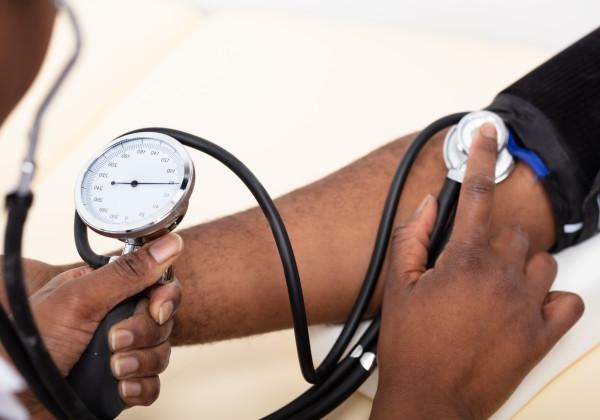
(162, 221)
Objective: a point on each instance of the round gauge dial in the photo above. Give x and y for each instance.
(135, 186)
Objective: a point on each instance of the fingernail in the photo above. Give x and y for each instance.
(130, 389)
(423, 204)
(126, 365)
(165, 311)
(488, 130)
(166, 247)
(120, 339)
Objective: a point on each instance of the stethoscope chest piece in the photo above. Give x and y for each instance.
(457, 145)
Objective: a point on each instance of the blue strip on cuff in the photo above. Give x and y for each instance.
(527, 156)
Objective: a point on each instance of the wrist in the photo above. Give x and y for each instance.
(413, 402)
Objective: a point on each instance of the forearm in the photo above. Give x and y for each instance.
(230, 269)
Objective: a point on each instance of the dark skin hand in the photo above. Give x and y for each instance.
(139, 344)
(68, 310)
(327, 206)
(458, 339)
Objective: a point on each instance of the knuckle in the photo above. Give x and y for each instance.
(519, 236)
(488, 145)
(154, 361)
(466, 257)
(577, 306)
(549, 262)
(470, 261)
(479, 185)
(153, 390)
(399, 233)
(544, 265)
(132, 265)
(505, 283)
(166, 292)
(157, 359)
(403, 236)
(513, 239)
(147, 330)
(159, 333)
(156, 334)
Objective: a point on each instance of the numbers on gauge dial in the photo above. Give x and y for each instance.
(133, 182)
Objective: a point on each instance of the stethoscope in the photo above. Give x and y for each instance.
(138, 188)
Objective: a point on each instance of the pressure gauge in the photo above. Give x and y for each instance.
(137, 188)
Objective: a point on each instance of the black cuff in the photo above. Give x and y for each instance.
(555, 112)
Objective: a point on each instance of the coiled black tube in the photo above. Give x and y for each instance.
(84, 249)
(331, 375)
(382, 240)
(447, 202)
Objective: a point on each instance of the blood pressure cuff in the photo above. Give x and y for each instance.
(554, 112)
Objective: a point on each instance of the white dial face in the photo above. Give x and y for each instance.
(133, 183)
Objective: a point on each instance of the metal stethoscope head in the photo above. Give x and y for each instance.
(457, 145)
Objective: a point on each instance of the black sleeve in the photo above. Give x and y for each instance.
(555, 112)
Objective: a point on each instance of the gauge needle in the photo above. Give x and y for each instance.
(135, 183)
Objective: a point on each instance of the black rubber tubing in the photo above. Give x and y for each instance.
(447, 202)
(40, 358)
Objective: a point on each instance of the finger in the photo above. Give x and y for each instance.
(141, 307)
(39, 274)
(139, 391)
(540, 273)
(60, 279)
(410, 242)
(140, 363)
(71, 274)
(477, 192)
(512, 244)
(164, 301)
(139, 331)
(561, 311)
(127, 275)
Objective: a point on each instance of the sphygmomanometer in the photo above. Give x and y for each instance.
(138, 187)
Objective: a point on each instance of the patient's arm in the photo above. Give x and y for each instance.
(485, 308)
(230, 271)
(231, 275)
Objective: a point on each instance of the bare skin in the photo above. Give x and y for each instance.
(25, 28)
(219, 274)
(230, 269)
(230, 264)
(485, 307)
(68, 310)
(140, 344)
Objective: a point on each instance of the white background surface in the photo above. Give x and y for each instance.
(274, 89)
(536, 23)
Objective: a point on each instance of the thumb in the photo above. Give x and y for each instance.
(127, 275)
(561, 311)
(410, 241)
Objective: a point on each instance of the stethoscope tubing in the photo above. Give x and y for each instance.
(335, 379)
